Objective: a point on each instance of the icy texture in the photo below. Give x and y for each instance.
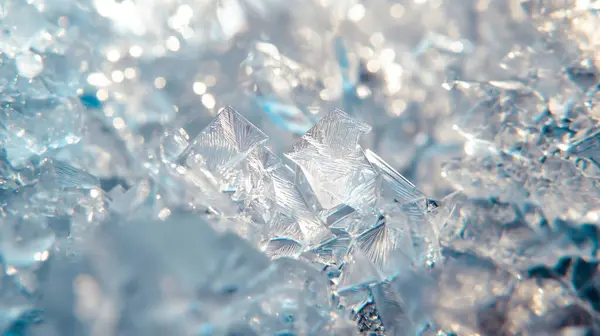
(183, 277)
(351, 215)
(456, 194)
(39, 116)
(334, 205)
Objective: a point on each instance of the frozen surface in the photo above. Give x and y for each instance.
(299, 167)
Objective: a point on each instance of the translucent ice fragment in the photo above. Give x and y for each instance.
(588, 147)
(34, 126)
(280, 225)
(224, 142)
(283, 88)
(481, 106)
(293, 302)
(352, 224)
(225, 161)
(251, 179)
(99, 152)
(125, 202)
(62, 72)
(412, 291)
(22, 24)
(60, 174)
(440, 219)
(12, 177)
(283, 247)
(61, 188)
(307, 180)
(338, 132)
(176, 140)
(376, 242)
(173, 144)
(349, 179)
(291, 202)
(330, 252)
(358, 272)
(389, 306)
(333, 164)
(395, 187)
(388, 245)
(264, 158)
(408, 212)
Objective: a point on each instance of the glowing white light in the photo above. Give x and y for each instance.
(41, 256)
(199, 88)
(208, 100)
(102, 95)
(98, 79)
(164, 213)
(373, 66)
(113, 55)
(118, 123)
(356, 12)
(117, 76)
(160, 82)
(94, 193)
(173, 43)
(231, 17)
(136, 51)
(130, 73)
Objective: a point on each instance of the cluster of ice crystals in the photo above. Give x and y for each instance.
(41, 112)
(391, 167)
(330, 193)
(330, 204)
